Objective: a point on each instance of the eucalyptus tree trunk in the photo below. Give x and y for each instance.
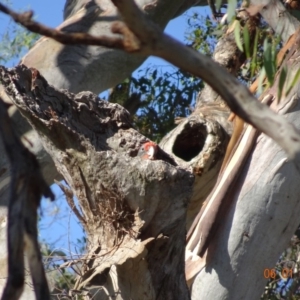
(264, 201)
(135, 212)
(260, 222)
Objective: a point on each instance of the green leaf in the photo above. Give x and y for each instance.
(254, 55)
(246, 36)
(269, 62)
(261, 78)
(293, 83)
(154, 74)
(217, 32)
(237, 36)
(282, 80)
(231, 9)
(58, 253)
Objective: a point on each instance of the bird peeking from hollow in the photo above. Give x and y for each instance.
(148, 151)
(151, 151)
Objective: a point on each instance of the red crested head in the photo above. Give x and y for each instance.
(148, 151)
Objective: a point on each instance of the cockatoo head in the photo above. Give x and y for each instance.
(148, 151)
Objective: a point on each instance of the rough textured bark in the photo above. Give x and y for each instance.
(135, 224)
(79, 68)
(198, 145)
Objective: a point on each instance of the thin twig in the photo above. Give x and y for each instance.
(69, 197)
(25, 19)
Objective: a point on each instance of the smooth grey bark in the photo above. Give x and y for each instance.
(276, 15)
(259, 225)
(265, 206)
(263, 217)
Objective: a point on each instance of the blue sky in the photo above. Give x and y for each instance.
(58, 225)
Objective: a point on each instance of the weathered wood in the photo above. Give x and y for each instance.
(131, 209)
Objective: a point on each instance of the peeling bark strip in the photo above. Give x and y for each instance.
(133, 210)
(27, 186)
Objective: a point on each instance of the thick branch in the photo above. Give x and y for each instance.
(132, 209)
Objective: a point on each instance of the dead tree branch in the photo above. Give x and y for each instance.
(25, 19)
(27, 186)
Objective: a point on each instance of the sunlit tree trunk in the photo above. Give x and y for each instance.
(134, 212)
